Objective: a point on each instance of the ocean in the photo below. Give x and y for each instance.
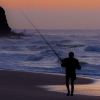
(31, 53)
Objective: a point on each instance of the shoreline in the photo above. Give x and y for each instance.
(88, 79)
(18, 85)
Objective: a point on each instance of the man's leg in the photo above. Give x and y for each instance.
(67, 85)
(72, 87)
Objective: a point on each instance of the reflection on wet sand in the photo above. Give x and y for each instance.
(86, 89)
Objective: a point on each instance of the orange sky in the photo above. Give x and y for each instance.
(53, 14)
(52, 4)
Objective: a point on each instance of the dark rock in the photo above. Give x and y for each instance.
(3, 21)
(5, 30)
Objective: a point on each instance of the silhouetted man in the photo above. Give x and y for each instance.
(71, 64)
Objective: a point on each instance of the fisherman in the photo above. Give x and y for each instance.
(71, 64)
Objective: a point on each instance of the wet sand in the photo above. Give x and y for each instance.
(16, 85)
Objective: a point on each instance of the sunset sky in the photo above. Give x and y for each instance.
(53, 14)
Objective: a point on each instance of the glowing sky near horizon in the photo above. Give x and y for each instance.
(54, 14)
(52, 4)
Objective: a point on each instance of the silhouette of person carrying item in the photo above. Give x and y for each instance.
(71, 64)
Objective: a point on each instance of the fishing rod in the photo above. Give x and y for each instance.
(40, 34)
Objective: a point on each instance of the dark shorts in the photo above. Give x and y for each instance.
(72, 77)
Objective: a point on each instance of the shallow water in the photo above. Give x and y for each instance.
(92, 89)
(31, 53)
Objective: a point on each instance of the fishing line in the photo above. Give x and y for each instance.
(40, 34)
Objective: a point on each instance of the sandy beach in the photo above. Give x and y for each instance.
(16, 85)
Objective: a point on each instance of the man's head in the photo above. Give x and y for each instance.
(71, 54)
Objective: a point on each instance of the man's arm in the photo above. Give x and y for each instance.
(78, 65)
(63, 62)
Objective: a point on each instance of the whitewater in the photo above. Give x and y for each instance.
(31, 53)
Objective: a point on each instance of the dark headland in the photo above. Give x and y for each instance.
(5, 30)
